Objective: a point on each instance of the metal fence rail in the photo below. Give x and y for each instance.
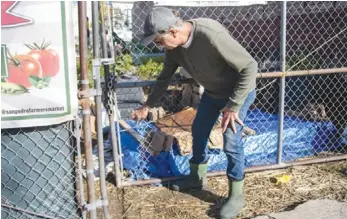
(299, 115)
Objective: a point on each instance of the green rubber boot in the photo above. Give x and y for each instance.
(195, 180)
(235, 202)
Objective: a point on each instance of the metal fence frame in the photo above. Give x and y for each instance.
(84, 94)
(281, 76)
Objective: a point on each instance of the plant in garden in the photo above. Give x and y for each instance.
(149, 70)
(124, 64)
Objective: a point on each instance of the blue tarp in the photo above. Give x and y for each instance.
(301, 138)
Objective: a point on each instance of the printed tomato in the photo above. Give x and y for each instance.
(48, 58)
(21, 67)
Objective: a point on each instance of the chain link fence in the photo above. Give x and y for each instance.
(314, 105)
(39, 172)
(316, 36)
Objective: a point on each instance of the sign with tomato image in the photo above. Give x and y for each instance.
(38, 69)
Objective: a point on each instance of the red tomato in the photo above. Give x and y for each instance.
(20, 67)
(48, 59)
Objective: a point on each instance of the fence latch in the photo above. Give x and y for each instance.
(98, 62)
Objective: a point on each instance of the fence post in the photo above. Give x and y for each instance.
(82, 21)
(97, 84)
(77, 133)
(115, 143)
(282, 81)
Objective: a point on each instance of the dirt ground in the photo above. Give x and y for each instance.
(263, 196)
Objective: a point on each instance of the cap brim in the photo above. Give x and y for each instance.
(147, 40)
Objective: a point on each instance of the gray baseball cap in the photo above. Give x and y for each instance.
(159, 20)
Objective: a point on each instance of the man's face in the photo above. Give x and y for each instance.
(167, 40)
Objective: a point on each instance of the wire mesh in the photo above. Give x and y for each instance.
(317, 104)
(314, 105)
(316, 39)
(38, 172)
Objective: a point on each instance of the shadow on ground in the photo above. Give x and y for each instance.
(214, 200)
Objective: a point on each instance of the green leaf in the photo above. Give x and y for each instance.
(47, 79)
(34, 80)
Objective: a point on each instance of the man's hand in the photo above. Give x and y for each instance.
(140, 113)
(230, 117)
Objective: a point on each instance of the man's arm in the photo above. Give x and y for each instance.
(239, 59)
(163, 81)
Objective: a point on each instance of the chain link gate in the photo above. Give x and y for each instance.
(304, 123)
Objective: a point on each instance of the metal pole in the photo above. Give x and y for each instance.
(118, 137)
(302, 73)
(247, 170)
(113, 50)
(116, 156)
(116, 112)
(103, 34)
(115, 145)
(82, 23)
(79, 157)
(97, 84)
(282, 82)
(110, 29)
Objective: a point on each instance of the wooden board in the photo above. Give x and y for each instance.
(179, 125)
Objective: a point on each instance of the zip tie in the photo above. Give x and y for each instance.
(97, 204)
(98, 92)
(84, 82)
(95, 92)
(90, 171)
(104, 202)
(90, 207)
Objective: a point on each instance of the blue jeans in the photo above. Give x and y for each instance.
(206, 117)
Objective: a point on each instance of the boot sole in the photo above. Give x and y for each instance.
(234, 216)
